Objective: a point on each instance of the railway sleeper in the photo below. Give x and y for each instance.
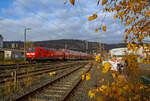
(60, 85)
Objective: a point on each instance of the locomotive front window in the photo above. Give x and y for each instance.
(31, 50)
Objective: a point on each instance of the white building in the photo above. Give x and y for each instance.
(118, 52)
(1, 41)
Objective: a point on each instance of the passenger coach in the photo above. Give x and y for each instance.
(42, 53)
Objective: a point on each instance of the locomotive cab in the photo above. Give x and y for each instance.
(30, 54)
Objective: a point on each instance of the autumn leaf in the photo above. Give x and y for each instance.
(104, 28)
(91, 94)
(97, 58)
(90, 18)
(88, 76)
(102, 88)
(72, 2)
(120, 77)
(115, 16)
(113, 75)
(109, 9)
(148, 13)
(107, 67)
(102, 80)
(93, 17)
(97, 29)
(52, 73)
(104, 2)
(98, 67)
(82, 76)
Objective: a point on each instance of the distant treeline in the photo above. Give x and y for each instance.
(78, 45)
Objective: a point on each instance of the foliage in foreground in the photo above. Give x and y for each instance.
(135, 15)
(126, 86)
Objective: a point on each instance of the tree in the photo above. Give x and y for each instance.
(135, 15)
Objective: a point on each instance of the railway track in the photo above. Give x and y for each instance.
(59, 88)
(25, 65)
(5, 78)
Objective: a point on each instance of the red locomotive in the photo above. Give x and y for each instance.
(42, 53)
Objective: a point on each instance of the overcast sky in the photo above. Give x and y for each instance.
(57, 19)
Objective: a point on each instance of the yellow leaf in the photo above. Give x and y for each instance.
(107, 67)
(120, 77)
(91, 94)
(129, 46)
(88, 76)
(72, 2)
(109, 10)
(98, 67)
(52, 73)
(114, 75)
(101, 80)
(115, 16)
(103, 10)
(121, 13)
(129, 22)
(97, 29)
(98, 2)
(144, 45)
(148, 13)
(97, 58)
(93, 17)
(83, 76)
(90, 18)
(149, 46)
(104, 28)
(104, 2)
(102, 88)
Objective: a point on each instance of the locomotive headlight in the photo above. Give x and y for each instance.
(28, 53)
(32, 53)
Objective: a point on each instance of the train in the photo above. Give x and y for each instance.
(43, 53)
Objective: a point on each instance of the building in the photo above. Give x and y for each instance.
(118, 52)
(1, 41)
(12, 54)
(14, 44)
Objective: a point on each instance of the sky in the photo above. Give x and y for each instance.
(57, 19)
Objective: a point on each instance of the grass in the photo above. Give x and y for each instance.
(12, 61)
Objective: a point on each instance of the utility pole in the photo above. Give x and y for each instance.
(87, 44)
(25, 31)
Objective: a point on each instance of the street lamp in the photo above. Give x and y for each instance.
(25, 30)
